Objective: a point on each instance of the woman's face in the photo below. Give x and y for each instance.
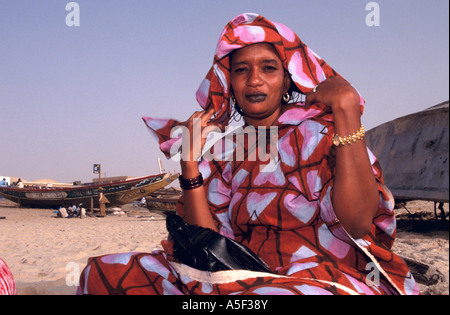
(258, 81)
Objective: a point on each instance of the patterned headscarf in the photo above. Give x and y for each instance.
(305, 67)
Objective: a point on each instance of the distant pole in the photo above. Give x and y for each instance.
(161, 170)
(98, 170)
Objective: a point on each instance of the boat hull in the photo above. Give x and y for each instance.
(118, 193)
(413, 153)
(163, 200)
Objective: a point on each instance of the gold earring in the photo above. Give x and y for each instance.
(233, 100)
(286, 97)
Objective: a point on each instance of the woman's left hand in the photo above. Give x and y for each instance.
(336, 93)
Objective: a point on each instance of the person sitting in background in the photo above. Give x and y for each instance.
(3, 183)
(76, 210)
(19, 183)
(81, 211)
(62, 212)
(70, 211)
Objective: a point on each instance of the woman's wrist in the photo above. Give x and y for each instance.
(347, 113)
(346, 122)
(189, 169)
(346, 103)
(191, 183)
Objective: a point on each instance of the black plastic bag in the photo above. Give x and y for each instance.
(205, 249)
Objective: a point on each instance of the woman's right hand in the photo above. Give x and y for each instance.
(198, 127)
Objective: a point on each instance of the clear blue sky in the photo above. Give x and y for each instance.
(74, 96)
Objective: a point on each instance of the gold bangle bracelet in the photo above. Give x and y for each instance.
(351, 139)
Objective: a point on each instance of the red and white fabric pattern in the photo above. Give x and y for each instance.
(7, 284)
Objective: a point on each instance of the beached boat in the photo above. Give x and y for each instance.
(413, 153)
(164, 200)
(118, 193)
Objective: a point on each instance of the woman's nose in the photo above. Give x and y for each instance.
(254, 78)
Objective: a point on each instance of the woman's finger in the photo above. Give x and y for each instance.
(197, 114)
(217, 125)
(194, 115)
(207, 114)
(311, 98)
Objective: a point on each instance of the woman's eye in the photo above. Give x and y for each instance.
(239, 70)
(269, 68)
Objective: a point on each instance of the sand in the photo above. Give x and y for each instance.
(425, 239)
(46, 254)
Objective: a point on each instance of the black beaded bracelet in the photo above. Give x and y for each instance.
(190, 183)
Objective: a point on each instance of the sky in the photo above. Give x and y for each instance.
(73, 96)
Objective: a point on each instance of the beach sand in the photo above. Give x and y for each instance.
(46, 254)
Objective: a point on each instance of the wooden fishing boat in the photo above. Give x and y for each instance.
(118, 193)
(413, 153)
(164, 200)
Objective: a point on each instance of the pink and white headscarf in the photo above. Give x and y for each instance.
(306, 68)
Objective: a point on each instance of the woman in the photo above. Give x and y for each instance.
(317, 213)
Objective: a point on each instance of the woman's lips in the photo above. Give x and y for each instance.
(255, 97)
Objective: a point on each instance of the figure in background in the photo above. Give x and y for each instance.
(19, 183)
(102, 200)
(62, 212)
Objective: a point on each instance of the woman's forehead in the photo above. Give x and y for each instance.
(260, 51)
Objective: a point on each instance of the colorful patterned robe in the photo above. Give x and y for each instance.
(280, 207)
